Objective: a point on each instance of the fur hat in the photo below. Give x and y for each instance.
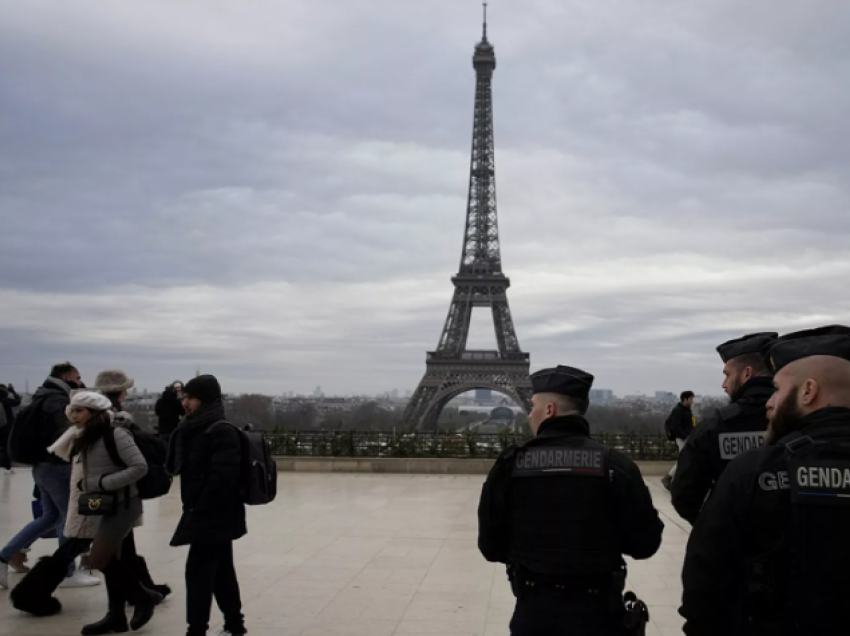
(113, 381)
(91, 400)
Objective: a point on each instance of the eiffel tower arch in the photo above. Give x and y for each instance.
(451, 369)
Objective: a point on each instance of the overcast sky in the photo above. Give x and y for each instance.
(274, 191)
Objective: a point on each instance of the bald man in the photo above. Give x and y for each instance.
(770, 552)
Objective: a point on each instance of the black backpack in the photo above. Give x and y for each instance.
(258, 481)
(26, 445)
(157, 482)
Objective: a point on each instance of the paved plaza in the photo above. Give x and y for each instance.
(345, 555)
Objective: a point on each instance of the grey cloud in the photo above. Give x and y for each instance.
(665, 169)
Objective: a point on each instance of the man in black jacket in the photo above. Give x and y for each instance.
(769, 553)
(561, 511)
(729, 431)
(9, 400)
(206, 452)
(37, 427)
(679, 425)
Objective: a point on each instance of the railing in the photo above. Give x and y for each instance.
(465, 445)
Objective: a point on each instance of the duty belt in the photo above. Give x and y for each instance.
(566, 587)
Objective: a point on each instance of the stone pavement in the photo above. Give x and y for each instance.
(345, 555)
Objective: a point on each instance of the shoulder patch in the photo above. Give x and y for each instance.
(823, 482)
(559, 460)
(733, 444)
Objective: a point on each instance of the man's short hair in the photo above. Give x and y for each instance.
(685, 395)
(63, 368)
(754, 360)
(565, 403)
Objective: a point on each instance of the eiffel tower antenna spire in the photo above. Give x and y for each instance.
(451, 369)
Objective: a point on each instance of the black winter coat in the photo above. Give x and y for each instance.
(48, 422)
(681, 422)
(208, 457)
(9, 400)
(724, 434)
(169, 410)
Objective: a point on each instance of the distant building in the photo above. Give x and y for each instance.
(666, 397)
(601, 397)
(483, 395)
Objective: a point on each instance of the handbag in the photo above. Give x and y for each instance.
(95, 504)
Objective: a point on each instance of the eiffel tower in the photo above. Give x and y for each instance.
(452, 369)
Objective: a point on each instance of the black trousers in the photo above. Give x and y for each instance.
(210, 573)
(549, 613)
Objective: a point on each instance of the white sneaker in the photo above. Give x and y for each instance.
(78, 579)
(4, 576)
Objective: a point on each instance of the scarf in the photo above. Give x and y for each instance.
(205, 416)
(59, 384)
(63, 446)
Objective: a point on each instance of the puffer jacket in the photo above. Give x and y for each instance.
(207, 454)
(96, 472)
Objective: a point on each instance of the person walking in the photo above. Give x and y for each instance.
(34, 593)
(561, 511)
(9, 400)
(679, 425)
(97, 474)
(169, 410)
(205, 451)
(36, 427)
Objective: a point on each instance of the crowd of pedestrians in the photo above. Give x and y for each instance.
(93, 468)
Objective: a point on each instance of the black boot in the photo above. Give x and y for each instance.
(143, 609)
(34, 593)
(140, 569)
(109, 624)
(115, 621)
(144, 600)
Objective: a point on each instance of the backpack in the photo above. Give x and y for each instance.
(157, 482)
(25, 445)
(668, 428)
(258, 481)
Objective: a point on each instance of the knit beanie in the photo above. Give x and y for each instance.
(205, 387)
(89, 399)
(113, 381)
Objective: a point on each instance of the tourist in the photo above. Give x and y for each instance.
(678, 426)
(38, 425)
(206, 452)
(169, 410)
(9, 400)
(95, 472)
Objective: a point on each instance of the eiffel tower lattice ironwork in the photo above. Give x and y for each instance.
(451, 369)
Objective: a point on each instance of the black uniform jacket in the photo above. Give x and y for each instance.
(715, 442)
(638, 526)
(742, 532)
